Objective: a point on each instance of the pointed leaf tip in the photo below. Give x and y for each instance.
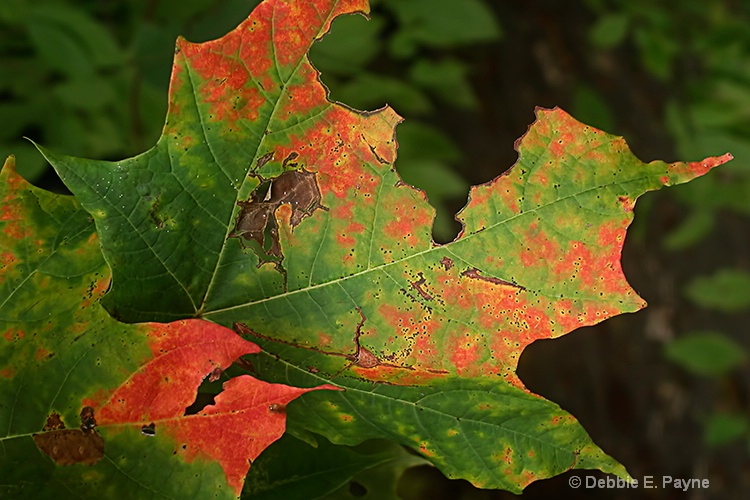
(680, 172)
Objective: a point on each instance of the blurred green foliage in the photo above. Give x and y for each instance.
(728, 290)
(701, 50)
(706, 353)
(723, 428)
(90, 78)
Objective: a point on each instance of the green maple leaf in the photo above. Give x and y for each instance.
(267, 207)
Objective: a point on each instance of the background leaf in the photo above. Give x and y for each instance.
(706, 353)
(727, 290)
(291, 468)
(723, 428)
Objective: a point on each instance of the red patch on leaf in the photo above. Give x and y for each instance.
(345, 240)
(424, 449)
(698, 168)
(14, 334)
(540, 247)
(357, 140)
(7, 258)
(465, 355)
(184, 353)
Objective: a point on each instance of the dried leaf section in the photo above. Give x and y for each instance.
(257, 218)
(71, 446)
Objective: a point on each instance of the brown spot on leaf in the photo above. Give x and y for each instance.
(154, 215)
(277, 408)
(362, 356)
(474, 273)
(419, 287)
(263, 160)
(246, 364)
(379, 158)
(71, 446)
(88, 422)
(54, 422)
(289, 160)
(627, 203)
(447, 263)
(366, 359)
(257, 218)
(242, 328)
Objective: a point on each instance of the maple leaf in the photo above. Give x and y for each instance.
(84, 389)
(266, 207)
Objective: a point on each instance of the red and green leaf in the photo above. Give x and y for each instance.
(79, 389)
(268, 208)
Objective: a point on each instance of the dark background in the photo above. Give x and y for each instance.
(664, 391)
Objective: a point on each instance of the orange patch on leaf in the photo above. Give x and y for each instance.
(424, 450)
(465, 356)
(355, 147)
(566, 315)
(323, 340)
(12, 335)
(345, 240)
(99, 289)
(413, 375)
(398, 319)
(42, 353)
(7, 258)
(540, 247)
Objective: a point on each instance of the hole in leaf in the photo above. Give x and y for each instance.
(202, 399)
(357, 489)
